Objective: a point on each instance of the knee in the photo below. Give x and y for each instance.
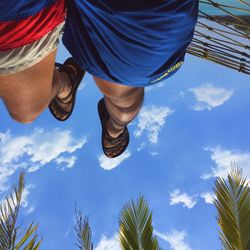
(126, 115)
(24, 115)
(23, 118)
(115, 90)
(25, 110)
(131, 95)
(125, 118)
(131, 101)
(124, 111)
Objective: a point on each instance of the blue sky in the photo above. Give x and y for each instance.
(191, 127)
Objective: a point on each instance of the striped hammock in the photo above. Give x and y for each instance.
(222, 33)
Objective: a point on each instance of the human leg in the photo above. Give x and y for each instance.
(123, 104)
(61, 107)
(28, 92)
(28, 78)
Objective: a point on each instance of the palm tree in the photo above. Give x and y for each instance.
(135, 228)
(84, 234)
(12, 236)
(135, 220)
(233, 210)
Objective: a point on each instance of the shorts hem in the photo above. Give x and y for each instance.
(104, 77)
(28, 57)
(27, 65)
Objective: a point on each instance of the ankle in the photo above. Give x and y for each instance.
(64, 86)
(113, 129)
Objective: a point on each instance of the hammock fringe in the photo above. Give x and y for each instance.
(223, 38)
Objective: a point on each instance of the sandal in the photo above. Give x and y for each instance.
(75, 76)
(116, 145)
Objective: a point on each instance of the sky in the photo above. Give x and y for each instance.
(243, 4)
(191, 128)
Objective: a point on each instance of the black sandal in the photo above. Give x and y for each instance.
(117, 145)
(75, 76)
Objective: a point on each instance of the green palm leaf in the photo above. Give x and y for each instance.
(29, 239)
(10, 236)
(136, 230)
(84, 234)
(233, 210)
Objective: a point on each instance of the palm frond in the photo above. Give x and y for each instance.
(29, 239)
(10, 235)
(135, 227)
(233, 210)
(84, 234)
(8, 215)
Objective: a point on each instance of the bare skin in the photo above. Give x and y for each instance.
(28, 93)
(123, 104)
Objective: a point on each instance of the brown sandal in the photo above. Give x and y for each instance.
(75, 76)
(117, 145)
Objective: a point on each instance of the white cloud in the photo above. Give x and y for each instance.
(182, 94)
(208, 197)
(24, 200)
(224, 158)
(141, 146)
(33, 168)
(176, 197)
(150, 120)
(47, 146)
(34, 150)
(110, 163)
(209, 96)
(154, 153)
(176, 239)
(82, 86)
(154, 86)
(25, 195)
(69, 161)
(108, 244)
(30, 210)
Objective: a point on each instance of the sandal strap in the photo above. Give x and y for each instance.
(72, 74)
(59, 108)
(119, 139)
(116, 145)
(75, 74)
(58, 65)
(114, 148)
(69, 71)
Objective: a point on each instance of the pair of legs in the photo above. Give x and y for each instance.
(27, 93)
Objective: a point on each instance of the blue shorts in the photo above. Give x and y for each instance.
(132, 42)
